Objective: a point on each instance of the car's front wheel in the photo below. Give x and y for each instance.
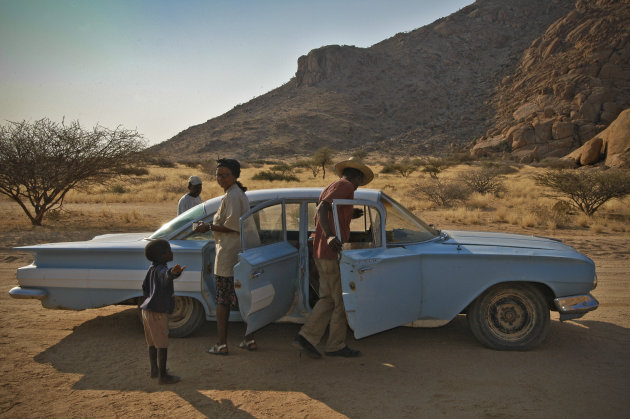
(510, 317)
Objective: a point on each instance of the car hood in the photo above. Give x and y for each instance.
(482, 238)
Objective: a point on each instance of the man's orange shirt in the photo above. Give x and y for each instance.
(339, 189)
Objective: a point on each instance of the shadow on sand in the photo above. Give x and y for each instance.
(416, 366)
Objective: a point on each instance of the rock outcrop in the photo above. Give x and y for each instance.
(611, 146)
(571, 83)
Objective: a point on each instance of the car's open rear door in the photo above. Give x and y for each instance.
(266, 274)
(381, 286)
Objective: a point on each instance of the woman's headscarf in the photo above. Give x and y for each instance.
(235, 167)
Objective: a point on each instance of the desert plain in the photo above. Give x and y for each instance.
(93, 363)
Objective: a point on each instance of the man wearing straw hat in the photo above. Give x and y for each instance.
(329, 310)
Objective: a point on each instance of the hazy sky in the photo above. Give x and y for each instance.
(160, 66)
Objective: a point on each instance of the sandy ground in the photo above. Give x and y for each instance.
(95, 363)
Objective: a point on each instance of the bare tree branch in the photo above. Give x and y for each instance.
(43, 160)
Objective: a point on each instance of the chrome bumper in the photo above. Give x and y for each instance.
(18, 292)
(575, 306)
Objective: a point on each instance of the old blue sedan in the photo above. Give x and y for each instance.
(396, 270)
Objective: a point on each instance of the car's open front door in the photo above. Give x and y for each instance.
(381, 286)
(266, 273)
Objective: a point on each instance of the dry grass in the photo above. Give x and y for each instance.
(145, 202)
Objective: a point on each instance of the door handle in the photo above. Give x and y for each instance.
(365, 269)
(257, 274)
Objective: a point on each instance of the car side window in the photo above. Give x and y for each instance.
(365, 230)
(268, 225)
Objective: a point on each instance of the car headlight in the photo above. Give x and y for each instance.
(594, 281)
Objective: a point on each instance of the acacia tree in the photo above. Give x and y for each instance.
(43, 160)
(323, 157)
(586, 190)
(308, 164)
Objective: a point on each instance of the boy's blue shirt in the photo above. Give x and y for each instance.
(158, 289)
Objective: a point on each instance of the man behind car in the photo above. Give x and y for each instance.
(192, 198)
(329, 310)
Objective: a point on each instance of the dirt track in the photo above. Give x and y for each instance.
(94, 363)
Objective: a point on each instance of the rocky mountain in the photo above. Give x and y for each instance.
(569, 85)
(488, 71)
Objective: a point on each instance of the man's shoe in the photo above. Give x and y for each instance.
(301, 343)
(345, 352)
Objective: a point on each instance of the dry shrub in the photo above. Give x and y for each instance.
(479, 200)
(501, 214)
(513, 218)
(443, 193)
(486, 180)
(464, 215)
(583, 220)
(620, 227)
(131, 217)
(158, 178)
(553, 216)
(529, 220)
(598, 227)
(118, 188)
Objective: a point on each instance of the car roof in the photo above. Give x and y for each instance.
(262, 195)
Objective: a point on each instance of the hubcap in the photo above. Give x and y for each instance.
(510, 316)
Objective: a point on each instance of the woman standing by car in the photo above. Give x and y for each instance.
(227, 235)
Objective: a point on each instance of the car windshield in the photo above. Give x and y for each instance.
(403, 227)
(185, 218)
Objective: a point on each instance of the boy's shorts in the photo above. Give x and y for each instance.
(226, 295)
(155, 328)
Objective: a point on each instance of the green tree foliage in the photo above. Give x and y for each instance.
(308, 164)
(403, 168)
(323, 157)
(433, 165)
(586, 190)
(272, 176)
(281, 171)
(43, 160)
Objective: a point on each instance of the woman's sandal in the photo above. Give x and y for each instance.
(218, 349)
(250, 345)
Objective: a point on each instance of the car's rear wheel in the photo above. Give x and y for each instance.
(510, 317)
(187, 317)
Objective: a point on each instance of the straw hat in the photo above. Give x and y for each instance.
(357, 164)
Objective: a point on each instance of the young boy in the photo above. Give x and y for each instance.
(158, 304)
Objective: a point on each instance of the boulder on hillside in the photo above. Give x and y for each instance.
(611, 145)
(570, 84)
(488, 146)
